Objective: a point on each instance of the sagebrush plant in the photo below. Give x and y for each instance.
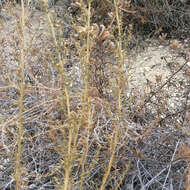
(120, 89)
(71, 129)
(95, 44)
(74, 135)
(68, 156)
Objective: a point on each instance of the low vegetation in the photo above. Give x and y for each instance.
(68, 118)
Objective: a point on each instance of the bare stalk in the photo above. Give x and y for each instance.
(87, 53)
(18, 171)
(61, 61)
(120, 79)
(68, 158)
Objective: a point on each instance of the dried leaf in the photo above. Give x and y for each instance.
(175, 45)
(187, 179)
(158, 31)
(184, 152)
(163, 36)
(139, 154)
(158, 78)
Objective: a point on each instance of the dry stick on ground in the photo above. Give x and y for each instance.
(154, 178)
(170, 165)
(158, 90)
(176, 113)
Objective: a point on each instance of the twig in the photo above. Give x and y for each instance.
(154, 93)
(171, 164)
(176, 113)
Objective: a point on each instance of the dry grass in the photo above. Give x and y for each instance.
(66, 119)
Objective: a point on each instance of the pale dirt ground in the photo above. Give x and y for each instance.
(151, 63)
(159, 60)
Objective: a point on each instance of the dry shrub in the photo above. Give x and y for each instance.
(172, 17)
(101, 47)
